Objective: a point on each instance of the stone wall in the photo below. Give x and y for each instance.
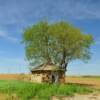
(45, 77)
(36, 78)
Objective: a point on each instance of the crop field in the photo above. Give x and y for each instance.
(9, 76)
(85, 80)
(12, 88)
(93, 81)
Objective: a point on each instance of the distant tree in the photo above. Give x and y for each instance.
(57, 43)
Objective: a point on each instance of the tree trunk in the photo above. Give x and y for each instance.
(64, 64)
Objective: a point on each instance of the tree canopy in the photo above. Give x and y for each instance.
(58, 43)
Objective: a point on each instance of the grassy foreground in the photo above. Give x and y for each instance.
(33, 91)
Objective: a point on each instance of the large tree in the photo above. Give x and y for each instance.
(36, 39)
(57, 43)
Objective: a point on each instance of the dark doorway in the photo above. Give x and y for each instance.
(54, 77)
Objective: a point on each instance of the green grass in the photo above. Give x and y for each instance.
(93, 77)
(27, 91)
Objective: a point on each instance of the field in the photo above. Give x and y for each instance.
(9, 76)
(27, 91)
(13, 88)
(93, 81)
(85, 80)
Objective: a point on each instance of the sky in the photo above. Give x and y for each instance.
(16, 15)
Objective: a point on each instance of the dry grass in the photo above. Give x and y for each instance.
(3, 96)
(90, 81)
(14, 76)
(9, 76)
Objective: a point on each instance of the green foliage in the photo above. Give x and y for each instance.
(27, 91)
(58, 43)
(36, 39)
(70, 42)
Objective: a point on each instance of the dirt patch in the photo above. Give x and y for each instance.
(93, 96)
(3, 96)
(8, 97)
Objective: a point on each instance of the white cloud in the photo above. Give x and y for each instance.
(80, 9)
(5, 35)
(23, 12)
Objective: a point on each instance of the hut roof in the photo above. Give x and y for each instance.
(46, 67)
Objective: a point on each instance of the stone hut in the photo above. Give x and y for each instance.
(48, 74)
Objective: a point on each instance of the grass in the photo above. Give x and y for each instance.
(95, 77)
(27, 91)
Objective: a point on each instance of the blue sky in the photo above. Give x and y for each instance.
(16, 15)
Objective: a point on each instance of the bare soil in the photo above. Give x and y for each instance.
(92, 96)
